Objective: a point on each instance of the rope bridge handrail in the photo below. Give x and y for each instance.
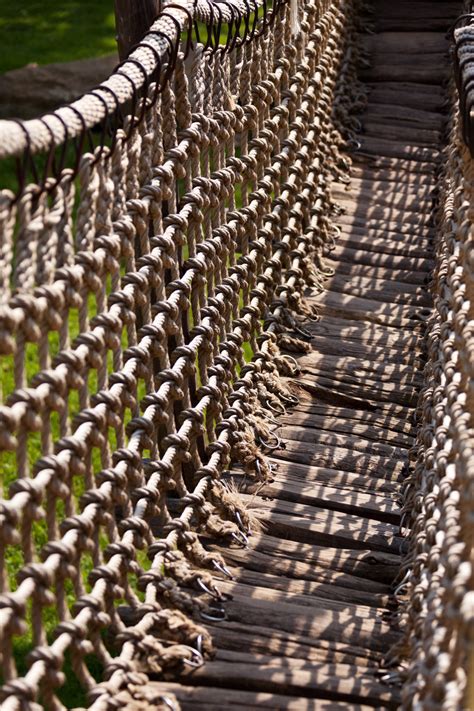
(142, 304)
(153, 60)
(436, 585)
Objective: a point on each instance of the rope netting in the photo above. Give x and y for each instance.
(144, 293)
(436, 589)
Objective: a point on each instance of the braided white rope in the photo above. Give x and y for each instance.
(66, 121)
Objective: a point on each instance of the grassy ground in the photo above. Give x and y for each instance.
(44, 31)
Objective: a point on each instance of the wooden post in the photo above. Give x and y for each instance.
(132, 20)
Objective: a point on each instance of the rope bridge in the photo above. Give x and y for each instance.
(157, 261)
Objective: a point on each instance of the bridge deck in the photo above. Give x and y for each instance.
(311, 615)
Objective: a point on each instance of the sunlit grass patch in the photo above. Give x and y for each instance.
(45, 31)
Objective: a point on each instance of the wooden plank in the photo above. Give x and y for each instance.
(323, 624)
(401, 163)
(382, 72)
(383, 372)
(400, 234)
(337, 327)
(381, 147)
(359, 309)
(401, 179)
(369, 270)
(289, 586)
(407, 95)
(309, 524)
(428, 60)
(384, 290)
(394, 25)
(390, 232)
(364, 389)
(387, 261)
(398, 422)
(336, 478)
(387, 242)
(336, 681)
(297, 595)
(394, 414)
(332, 394)
(385, 381)
(267, 640)
(371, 210)
(296, 433)
(356, 349)
(217, 699)
(368, 565)
(346, 426)
(391, 42)
(422, 136)
(395, 113)
(382, 225)
(422, 91)
(406, 10)
(372, 506)
(360, 385)
(421, 186)
(337, 386)
(370, 195)
(341, 458)
(359, 371)
(336, 585)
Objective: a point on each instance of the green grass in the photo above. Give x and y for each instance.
(45, 31)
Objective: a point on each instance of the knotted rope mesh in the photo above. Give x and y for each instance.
(436, 589)
(142, 301)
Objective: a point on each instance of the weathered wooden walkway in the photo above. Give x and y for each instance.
(311, 615)
(157, 244)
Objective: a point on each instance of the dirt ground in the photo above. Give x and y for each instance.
(33, 90)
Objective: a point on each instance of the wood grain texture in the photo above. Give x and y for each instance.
(310, 608)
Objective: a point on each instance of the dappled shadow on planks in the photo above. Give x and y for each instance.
(310, 609)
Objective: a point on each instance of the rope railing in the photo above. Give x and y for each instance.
(462, 51)
(153, 60)
(144, 293)
(435, 591)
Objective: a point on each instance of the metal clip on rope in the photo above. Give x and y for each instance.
(219, 616)
(214, 592)
(197, 659)
(243, 528)
(169, 703)
(222, 569)
(276, 444)
(240, 538)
